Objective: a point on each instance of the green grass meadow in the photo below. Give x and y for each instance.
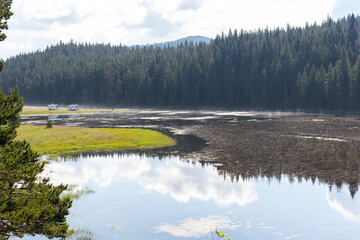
(61, 140)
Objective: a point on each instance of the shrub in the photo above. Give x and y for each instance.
(49, 124)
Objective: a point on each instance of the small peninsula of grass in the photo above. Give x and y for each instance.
(45, 111)
(61, 140)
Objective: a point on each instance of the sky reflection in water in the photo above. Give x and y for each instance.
(147, 198)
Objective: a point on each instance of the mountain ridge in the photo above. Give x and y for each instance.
(194, 39)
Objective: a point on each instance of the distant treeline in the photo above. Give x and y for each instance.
(316, 67)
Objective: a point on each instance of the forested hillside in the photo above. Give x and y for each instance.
(316, 67)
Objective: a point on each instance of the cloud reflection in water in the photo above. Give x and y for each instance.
(184, 181)
(181, 180)
(344, 204)
(197, 228)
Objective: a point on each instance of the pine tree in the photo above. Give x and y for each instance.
(356, 88)
(5, 14)
(343, 80)
(27, 206)
(353, 32)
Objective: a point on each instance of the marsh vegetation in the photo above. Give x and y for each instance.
(62, 140)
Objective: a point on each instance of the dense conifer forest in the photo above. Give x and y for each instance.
(316, 67)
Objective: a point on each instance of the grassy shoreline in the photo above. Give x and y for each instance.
(61, 140)
(45, 111)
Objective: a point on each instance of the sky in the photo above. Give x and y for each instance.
(37, 24)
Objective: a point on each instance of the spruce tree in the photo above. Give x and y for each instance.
(28, 205)
(343, 80)
(5, 14)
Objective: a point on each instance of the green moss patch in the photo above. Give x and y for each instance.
(60, 140)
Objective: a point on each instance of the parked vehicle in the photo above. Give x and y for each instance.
(53, 107)
(73, 107)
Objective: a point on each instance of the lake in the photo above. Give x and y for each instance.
(262, 176)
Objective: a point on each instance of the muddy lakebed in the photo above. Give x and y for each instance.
(255, 175)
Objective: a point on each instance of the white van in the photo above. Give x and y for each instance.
(73, 107)
(53, 107)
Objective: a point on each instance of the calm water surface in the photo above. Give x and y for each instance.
(133, 196)
(139, 197)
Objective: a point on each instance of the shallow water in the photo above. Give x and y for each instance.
(140, 197)
(151, 118)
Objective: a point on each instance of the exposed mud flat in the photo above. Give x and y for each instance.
(250, 144)
(327, 150)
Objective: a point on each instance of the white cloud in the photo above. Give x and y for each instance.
(344, 7)
(53, 13)
(38, 23)
(214, 16)
(163, 6)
